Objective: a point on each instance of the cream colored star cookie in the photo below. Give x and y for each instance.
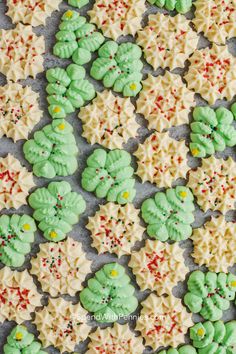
(215, 232)
(115, 228)
(165, 101)
(21, 53)
(117, 18)
(15, 183)
(167, 41)
(109, 120)
(212, 73)
(213, 184)
(61, 267)
(162, 160)
(32, 12)
(19, 111)
(216, 19)
(158, 266)
(18, 296)
(163, 321)
(118, 339)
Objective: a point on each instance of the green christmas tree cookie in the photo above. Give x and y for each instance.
(119, 67)
(214, 338)
(67, 90)
(181, 6)
(109, 175)
(109, 294)
(77, 38)
(185, 349)
(53, 151)
(211, 131)
(169, 215)
(78, 3)
(210, 293)
(57, 208)
(20, 341)
(16, 236)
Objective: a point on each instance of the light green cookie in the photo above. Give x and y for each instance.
(181, 6)
(185, 349)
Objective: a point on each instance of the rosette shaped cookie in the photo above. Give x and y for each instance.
(210, 293)
(185, 349)
(211, 131)
(77, 38)
(16, 235)
(119, 67)
(67, 90)
(109, 175)
(53, 151)
(181, 6)
(109, 294)
(21, 341)
(214, 337)
(169, 215)
(57, 208)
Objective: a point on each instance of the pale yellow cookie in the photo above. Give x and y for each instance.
(158, 266)
(15, 183)
(32, 12)
(109, 120)
(117, 18)
(212, 73)
(116, 340)
(213, 184)
(165, 101)
(21, 53)
(61, 267)
(163, 321)
(115, 228)
(167, 41)
(62, 325)
(162, 160)
(216, 19)
(18, 296)
(19, 111)
(215, 232)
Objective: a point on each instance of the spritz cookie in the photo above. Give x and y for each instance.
(18, 296)
(165, 101)
(213, 184)
(109, 120)
(215, 232)
(163, 321)
(167, 41)
(61, 267)
(212, 73)
(181, 6)
(15, 183)
(118, 339)
(158, 266)
(21, 53)
(62, 325)
(162, 160)
(115, 228)
(216, 19)
(31, 12)
(117, 18)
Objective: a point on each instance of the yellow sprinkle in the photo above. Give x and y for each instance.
(114, 273)
(133, 87)
(26, 227)
(126, 195)
(53, 234)
(233, 283)
(183, 194)
(195, 152)
(61, 126)
(19, 336)
(69, 13)
(200, 332)
(57, 110)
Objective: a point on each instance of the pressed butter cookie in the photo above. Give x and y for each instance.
(15, 183)
(215, 232)
(165, 101)
(158, 266)
(167, 41)
(115, 228)
(21, 53)
(18, 296)
(212, 73)
(116, 18)
(163, 321)
(109, 120)
(162, 160)
(213, 184)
